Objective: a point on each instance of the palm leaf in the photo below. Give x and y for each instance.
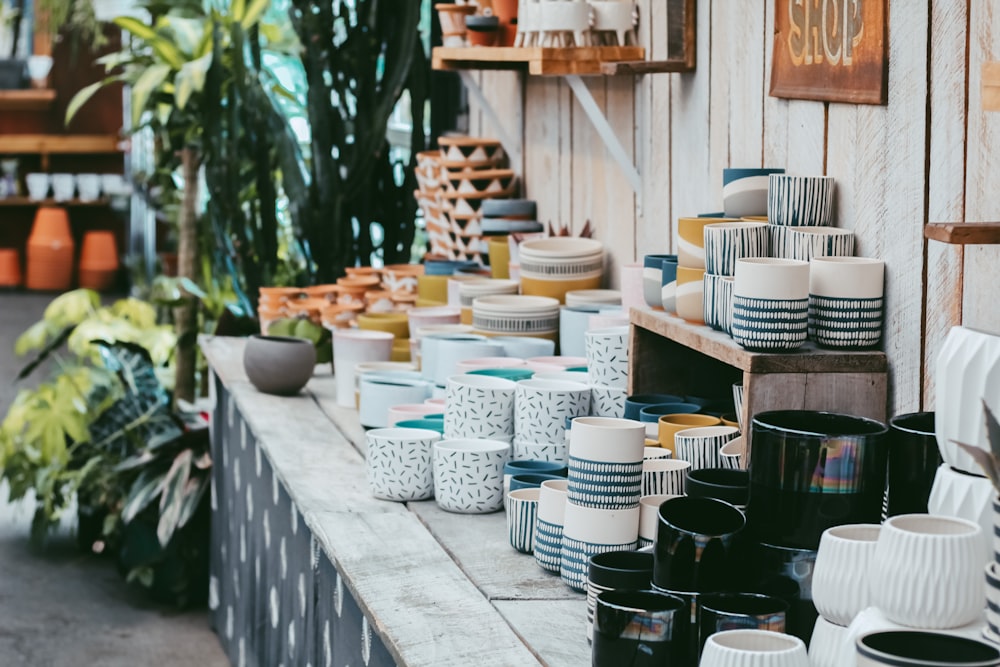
(84, 95)
(148, 81)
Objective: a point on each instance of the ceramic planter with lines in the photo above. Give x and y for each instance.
(840, 584)
(540, 451)
(607, 356)
(807, 242)
(744, 190)
(468, 475)
(549, 525)
(652, 278)
(800, 201)
(605, 462)
(542, 406)
(399, 463)
(479, 406)
(718, 302)
(664, 476)
(691, 240)
(522, 513)
(770, 303)
(725, 242)
(588, 531)
(607, 401)
(701, 446)
(845, 301)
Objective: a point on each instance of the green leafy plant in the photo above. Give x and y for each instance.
(74, 16)
(988, 461)
(321, 337)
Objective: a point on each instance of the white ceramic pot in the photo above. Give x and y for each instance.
(649, 517)
(840, 583)
(826, 643)
(965, 496)
(753, 648)
(515, 314)
(522, 513)
(63, 186)
(605, 462)
(483, 363)
(664, 476)
(630, 279)
(800, 201)
(399, 463)
(542, 407)
(731, 455)
(38, 185)
(470, 290)
(700, 446)
(607, 401)
(479, 406)
(593, 297)
(846, 301)
(89, 187)
(717, 302)
(967, 373)
(440, 354)
(432, 316)
(468, 475)
(352, 347)
(588, 531)
(525, 347)
(806, 243)
(770, 303)
(378, 394)
(927, 571)
(607, 356)
(549, 524)
(540, 451)
(905, 648)
(608, 318)
(405, 411)
(725, 242)
(572, 325)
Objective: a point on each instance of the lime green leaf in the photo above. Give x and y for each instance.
(191, 288)
(151, 79)
(187, 33)
(254, 11)
(136, 311)
(191, 79)
(237, 8)
(33, 339)
(136, 27)
(168, 52)
(84, 95)
(72, 307)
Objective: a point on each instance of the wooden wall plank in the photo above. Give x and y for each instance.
(721, 51)
(619, 215)
(980, 293)
(946, 181)
(546, 148)
(745, 44)
(882, 179)
(590, 166)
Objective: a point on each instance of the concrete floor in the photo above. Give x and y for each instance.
(63, 607)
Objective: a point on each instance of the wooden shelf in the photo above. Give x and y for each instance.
(640, 67)
(27, 201)
(27, 100)
(539, 61)
(60, 144)
(964, 233)
(990, 86)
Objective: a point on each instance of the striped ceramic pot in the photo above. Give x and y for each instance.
(551, 514)
(744, 190)
(800, 201)
(701, 446)
(588, 531)
(522, 514)
(846, 301)
(725, 242)
(718, 302)
(691, 240)
(770, 303)
(605, 462)
(807, 242)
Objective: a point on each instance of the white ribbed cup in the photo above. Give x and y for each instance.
(840, 583)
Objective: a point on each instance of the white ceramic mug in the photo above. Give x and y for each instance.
(63, 186)
(38, 185)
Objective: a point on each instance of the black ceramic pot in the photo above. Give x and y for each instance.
(914, 458)
(638, 629)
(616, 570)
(696, 544)
(731, 486)
(813, 470)
(900, 648)
(718, 612)
(785, 573)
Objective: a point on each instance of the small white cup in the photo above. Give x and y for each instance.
(89, 186)
(38, 185)
(63, 186)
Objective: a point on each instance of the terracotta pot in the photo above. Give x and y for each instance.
(99, 252)
(10, 267)
(50, 251)
(506, 11)
(51, 224)
(100, 280)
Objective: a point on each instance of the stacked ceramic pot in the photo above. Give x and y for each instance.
(505, 220)
(50, 251)
(98, 266)
(516, 315)
(472, 289)
(431, 176)
(688, 297)
(555, 265)
(10, 267)
(724, 244)
(606, 351)
(543, 408)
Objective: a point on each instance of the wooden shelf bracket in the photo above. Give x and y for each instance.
(512, 143)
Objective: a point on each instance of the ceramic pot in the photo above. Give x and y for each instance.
(593, 297)
(377, 394)
(914, 459)
(753, 648)
(482, 30)
(572, 326)
(424, 317)
(732, 454)
(813, 470)
(717, 302)
(452, 18)
(652, 279)
(499, 255)
(669, 425)
(607, 401)
(770, 303)
(38, 186)
(522, 513)
(738, 402)
(398, 462)
(700, 446)
(479, 406)
(404, 411)
(616, 570)
(542, 407)
(588, 531)
(840, 583)
(468, 475)
(786, 573)
(617, 617)
(927, 571)
(744, 191)
(605, 462)
(968, 373)
(10, 267)
(532, 466)
(965, 496)
(696, 543)
(635, 402)
(992, 601)
(464, 152)
(826, 644)
(545, 451)
(351, 347)
(487, 363)
(805, 243)
(719, 612)
(516, 315)
(63, 187)
(902, 648)
(441, 353)
(690, 295)
(277, 364)
(800, 201)
(525, 347)
(607, 356)
(845, 301)
(49, 256)
(649, 515)
(664, 476)
(691, 240)
(668, 285)
(99, 251)
(730, 486)
(515, 374)
(725, 242)
(608, 318)
(549, 524)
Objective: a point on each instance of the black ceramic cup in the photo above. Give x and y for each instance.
(813, 470)
(914, 647)
(696, 539)
(731, 486)
(785, 573)
(617, 570)
(914, 458)
(739, 611)
(638, 629)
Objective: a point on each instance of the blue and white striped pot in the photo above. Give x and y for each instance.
(718, 302)
(551, 513)
(800, 201)
(587, 532)
(725, 242)
(522, 514)
(770, 324)
(807, 242)
(846, 301)
(605, 462)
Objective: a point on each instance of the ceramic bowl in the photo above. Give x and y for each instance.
(901, 648)
(840, 579)
(278, 364)
(756, 648)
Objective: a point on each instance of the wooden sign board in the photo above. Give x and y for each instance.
(831, 50)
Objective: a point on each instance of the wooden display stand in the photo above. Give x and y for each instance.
(669, 355)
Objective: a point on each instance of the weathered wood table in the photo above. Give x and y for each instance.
(309, 569)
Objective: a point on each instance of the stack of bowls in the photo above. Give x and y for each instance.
(98, 260)
(553, 266)
(470, 290)
(431, 176)
(10, 267)
(800, 211)
(516, 315)
(50, 251)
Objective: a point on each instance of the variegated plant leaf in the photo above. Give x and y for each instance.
(987, 461)
(992, 431)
